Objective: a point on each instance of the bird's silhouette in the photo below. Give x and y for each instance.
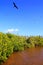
(15, 5)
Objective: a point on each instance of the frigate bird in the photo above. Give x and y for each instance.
(15, 5)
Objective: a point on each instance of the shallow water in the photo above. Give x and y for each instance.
(32, 56)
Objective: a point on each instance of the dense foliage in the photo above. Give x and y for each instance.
(10, 43)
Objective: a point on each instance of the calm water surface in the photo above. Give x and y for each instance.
(33, 56)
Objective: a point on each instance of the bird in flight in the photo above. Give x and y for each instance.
(15, 5)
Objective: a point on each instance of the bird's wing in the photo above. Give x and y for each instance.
(15, 5)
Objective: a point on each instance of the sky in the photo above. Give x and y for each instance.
(27, 20)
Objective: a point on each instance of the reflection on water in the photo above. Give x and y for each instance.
(33, 56)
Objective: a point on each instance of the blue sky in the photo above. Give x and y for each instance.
(27, 20)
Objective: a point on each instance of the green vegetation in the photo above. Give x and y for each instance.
(10, 43)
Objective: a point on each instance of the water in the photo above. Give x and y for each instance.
(32, 56)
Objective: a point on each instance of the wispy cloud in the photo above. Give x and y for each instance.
(12, 30)
(16, 30)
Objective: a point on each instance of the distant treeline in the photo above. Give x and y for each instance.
(10, 43)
